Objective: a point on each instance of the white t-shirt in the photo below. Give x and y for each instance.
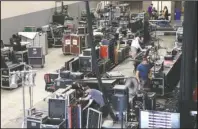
(135, 43)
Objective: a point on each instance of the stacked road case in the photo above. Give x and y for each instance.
(35, 56)
(66, 44)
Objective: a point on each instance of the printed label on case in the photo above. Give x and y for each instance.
(75, 42)
(67, 42)
(33, 124)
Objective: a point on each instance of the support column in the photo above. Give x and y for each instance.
(188, 63)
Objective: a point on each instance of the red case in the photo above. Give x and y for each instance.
(75, 46)
(66, 44)
(104, 51)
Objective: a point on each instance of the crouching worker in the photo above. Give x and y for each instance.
(98, 100)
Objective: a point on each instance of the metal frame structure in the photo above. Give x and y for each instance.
(188, 63)
(94, 62)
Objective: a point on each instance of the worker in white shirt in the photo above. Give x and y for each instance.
(135, 46)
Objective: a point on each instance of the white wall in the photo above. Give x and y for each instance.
(16, 8)
(164, 3)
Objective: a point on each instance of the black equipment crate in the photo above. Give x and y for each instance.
(35, 52)
(50, 42)
(22, 56)
(158, 86)
(57, 108)
(101, 67)
(120, 55)
(37, 61)
(51, 123)
(76, 75)
(85, 63)
(107, 65)
(35, 121)
(57, 42)
(59, 82)
(5, 74)
(127, 49)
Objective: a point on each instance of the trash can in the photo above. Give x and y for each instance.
(177, 14)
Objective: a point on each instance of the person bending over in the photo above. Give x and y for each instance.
(135, 46)
(142, 73)
(97, 96)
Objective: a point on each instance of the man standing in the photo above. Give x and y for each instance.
(142, 73)
(150, 8)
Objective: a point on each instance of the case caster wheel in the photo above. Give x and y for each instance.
(42, 66)
(64, 54)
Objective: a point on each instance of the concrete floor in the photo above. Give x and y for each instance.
(11, 100)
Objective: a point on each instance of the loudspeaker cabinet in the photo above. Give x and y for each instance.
(66, 44)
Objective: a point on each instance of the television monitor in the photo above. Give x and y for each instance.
(158, 119)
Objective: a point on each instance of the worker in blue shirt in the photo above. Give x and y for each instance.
(142, 73)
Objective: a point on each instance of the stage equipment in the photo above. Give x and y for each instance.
(75, 116)
(179, 35)
(77, 43)
(64, 74)
(87, 52)
(76, 75)
(94, 118)
(37, 39)
(85, 63)
(57, 106)
(118, 91)
(22, 56)
(158, 85)
(82, 30)
(8, 79)
(104, 52)
(14, 78)
(28, 77)
(74, 65)
(66, 44)
(120, 101)
(36, 57)
(53, 123)
(35, 118)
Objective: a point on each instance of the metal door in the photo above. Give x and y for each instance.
(66, 45)
(75, 47)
